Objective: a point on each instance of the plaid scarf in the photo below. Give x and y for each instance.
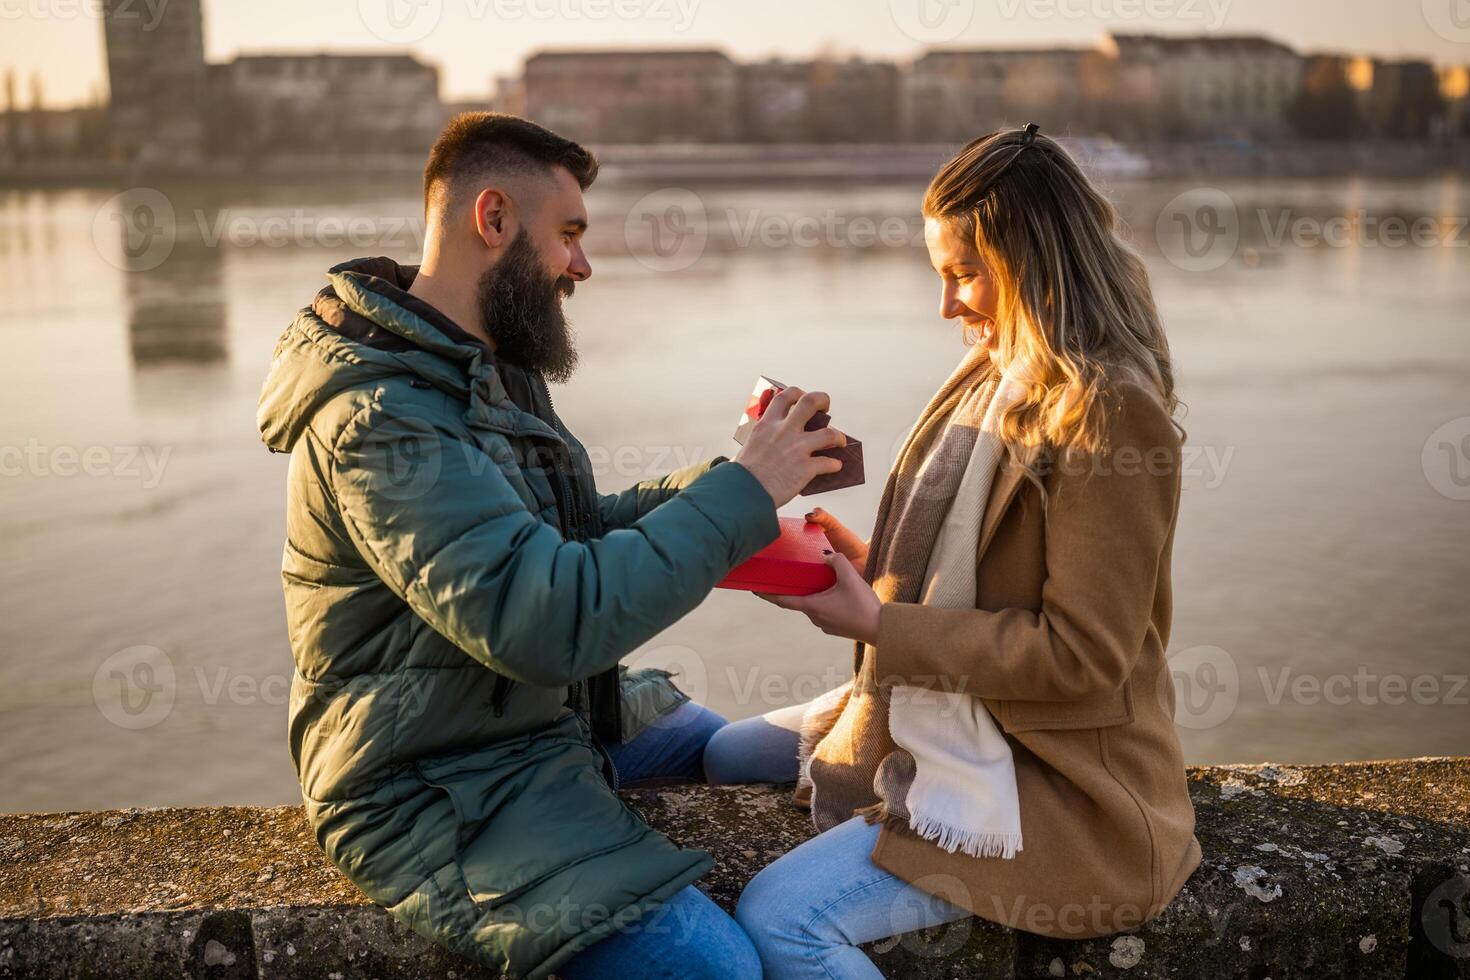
(850, 762)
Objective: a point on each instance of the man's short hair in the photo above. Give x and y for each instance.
(477, 144)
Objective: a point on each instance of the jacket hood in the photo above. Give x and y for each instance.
(361, 328)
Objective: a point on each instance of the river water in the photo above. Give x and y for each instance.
(1319, 331)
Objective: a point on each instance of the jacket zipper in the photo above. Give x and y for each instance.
(499, 693)
(575, 527)
(569, 527)
(501, 690)
(573, 520)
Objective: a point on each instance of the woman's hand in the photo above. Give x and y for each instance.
(850, 608)
(847, 544)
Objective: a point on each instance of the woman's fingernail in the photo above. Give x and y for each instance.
(826, 551)
(811, 515)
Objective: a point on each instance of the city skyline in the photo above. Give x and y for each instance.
(61, 41)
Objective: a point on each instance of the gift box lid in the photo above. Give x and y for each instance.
(760, 399)
(793, 564)
(851, 455)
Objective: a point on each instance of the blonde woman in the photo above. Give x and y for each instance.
(1006, 747)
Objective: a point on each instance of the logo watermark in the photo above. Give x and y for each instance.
(405, 457)
(407, 21)
(149, 12)
(402, 458)
(929, 920)
(670, 229)
(300, 229)
(1203, 229)
(1445, 459)
(135, 688)
(1206, 15)
(667, 230)
(1363, 686)
(1202, 467)
(400, 21)
(1445, 916)
(1198, 230)
(135, 230)
(684, 664)
(1202, 684)
(1450, 19)
(138, 229)
(131, 462)
(932, 21)
(1202, 687)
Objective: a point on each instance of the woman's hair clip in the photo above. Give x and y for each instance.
(1029, 136)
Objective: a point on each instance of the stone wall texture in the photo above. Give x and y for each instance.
(1353, 870)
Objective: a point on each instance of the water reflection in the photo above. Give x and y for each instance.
(172, 276)
(178, 312)
(1314, 374)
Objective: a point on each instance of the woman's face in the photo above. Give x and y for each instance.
(967, 290)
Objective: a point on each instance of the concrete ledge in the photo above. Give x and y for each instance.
(1357, 870)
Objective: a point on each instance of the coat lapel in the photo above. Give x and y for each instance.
(1008, 478)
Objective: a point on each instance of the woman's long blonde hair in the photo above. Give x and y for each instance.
(1074, 302)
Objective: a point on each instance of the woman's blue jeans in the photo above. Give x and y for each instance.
(808, 912)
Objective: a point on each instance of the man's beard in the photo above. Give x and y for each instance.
(520, 308)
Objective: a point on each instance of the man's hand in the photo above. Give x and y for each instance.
(850, 608)
(848, 544)
(778, 451)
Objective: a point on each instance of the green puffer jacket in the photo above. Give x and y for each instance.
(458, 597)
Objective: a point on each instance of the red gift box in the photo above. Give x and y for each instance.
(793, 564)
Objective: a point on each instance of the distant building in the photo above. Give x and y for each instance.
(155, 68)
(634, 96)
(170, 108)
(448, 110)
(1354, 97)
(1402, 100)
(853, 101)
(775, 101)
(508, 95)
(1454, 88)
(821, 101)
(38, 135)
(307, 104)
(50, 135)
(1211, 86)
(955, 94)
(1330, 103)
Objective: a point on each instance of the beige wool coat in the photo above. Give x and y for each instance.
(1065, 648)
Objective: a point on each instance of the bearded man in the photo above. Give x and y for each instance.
(459, 594)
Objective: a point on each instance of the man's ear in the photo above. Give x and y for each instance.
(492, 217)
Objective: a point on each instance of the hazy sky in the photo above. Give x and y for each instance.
(476, 40)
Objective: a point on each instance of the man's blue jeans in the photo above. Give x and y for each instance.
(689, 937)
(672, 747)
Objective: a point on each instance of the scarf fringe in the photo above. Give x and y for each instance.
(973, 843)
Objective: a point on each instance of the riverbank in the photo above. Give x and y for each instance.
(1360, 870)
(721, 162)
